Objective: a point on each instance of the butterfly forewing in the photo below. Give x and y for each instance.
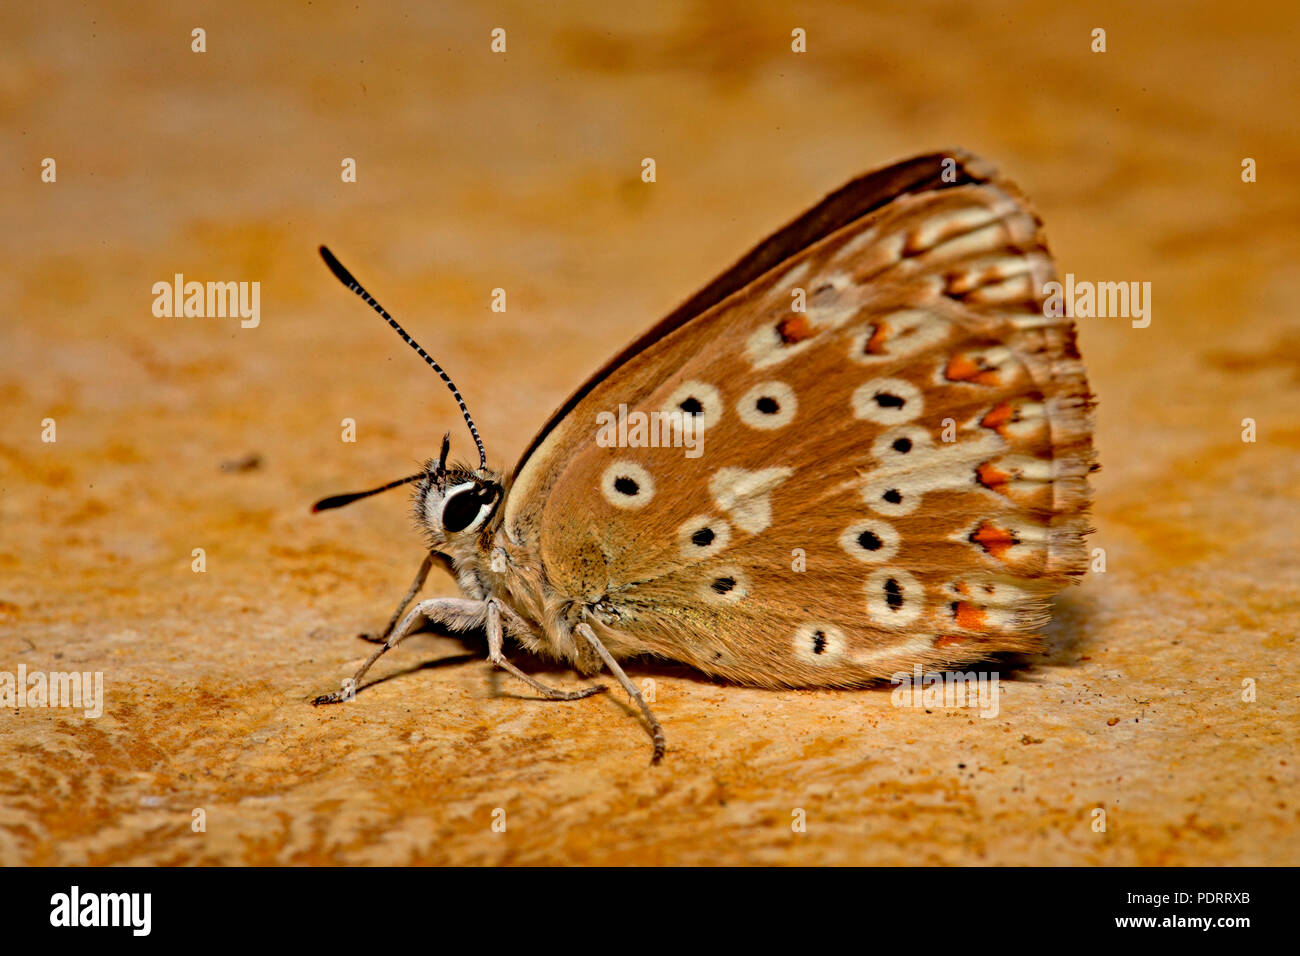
(893, 459)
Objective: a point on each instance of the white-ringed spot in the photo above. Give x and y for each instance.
(897, 444)
(870, 541)
(725, 586)
(887, 401)
(625, 484)
(894, 597)
(702, 537)
(768, 405)
(819, 643)
(889, 497)
(698, 399)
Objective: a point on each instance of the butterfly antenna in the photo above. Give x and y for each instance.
(338, 501)
(349, 280)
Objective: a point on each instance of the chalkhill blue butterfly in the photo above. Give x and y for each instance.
(863, 448)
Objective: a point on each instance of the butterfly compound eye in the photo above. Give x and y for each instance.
(466, 507)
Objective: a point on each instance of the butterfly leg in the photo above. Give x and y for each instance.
(420, 577)
(455, 613)
(656, 731)
(496, 640)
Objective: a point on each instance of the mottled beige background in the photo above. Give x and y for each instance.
(521, 171)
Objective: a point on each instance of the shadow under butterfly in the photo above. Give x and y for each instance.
(896, 442)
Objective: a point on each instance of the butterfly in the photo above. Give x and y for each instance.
(894, 438)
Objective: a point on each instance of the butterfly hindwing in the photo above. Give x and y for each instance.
(894, 449)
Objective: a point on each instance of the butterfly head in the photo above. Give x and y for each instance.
(456, 504)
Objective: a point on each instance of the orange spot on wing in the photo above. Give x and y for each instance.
(990, 476)
(794, 328)
(876, 343)
(969, 617)
(998, 417)
(996, 541)
(962, 368)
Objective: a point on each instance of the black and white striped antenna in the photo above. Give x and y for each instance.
(349, 280)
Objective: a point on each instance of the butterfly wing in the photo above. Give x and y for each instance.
(895, 444)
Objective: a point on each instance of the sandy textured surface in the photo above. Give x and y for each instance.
(521, 171)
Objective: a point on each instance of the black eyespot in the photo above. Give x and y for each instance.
(460, 510)
(625, 485)
(768, 405)
(869, 541)
(893, 594)
(691, 406)
(886, 400)
(902, 445)
(819, 642)
(893, 496)
(703, 537)
(723, 585)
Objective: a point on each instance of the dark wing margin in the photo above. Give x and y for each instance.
(853, 201)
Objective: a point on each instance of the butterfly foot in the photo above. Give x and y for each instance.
(373, 638)
(346, 692)
(550, 693)
(578, 694)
